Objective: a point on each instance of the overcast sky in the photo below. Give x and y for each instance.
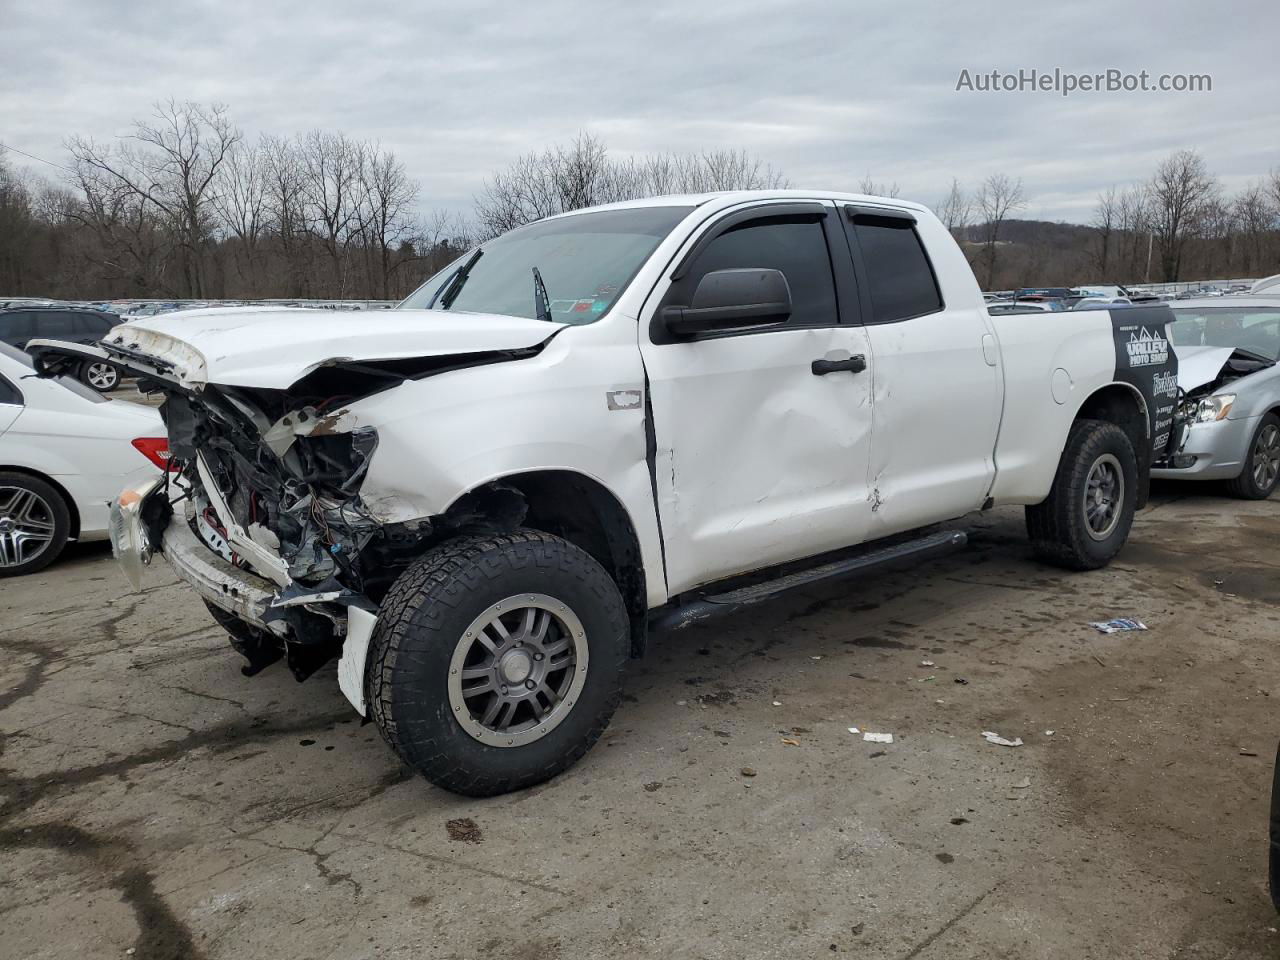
(827, 92)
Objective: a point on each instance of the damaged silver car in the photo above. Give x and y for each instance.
(1228, 421)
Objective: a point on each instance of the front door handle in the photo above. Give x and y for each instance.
(855, 364)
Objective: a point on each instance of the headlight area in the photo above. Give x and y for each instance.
(1208, 409)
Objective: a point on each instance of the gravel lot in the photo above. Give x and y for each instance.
(156, 801)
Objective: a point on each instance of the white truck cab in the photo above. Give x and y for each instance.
(623, 417)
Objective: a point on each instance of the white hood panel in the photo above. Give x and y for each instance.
(276, 347)
(1200, 365)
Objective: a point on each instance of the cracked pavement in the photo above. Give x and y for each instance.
(153, 799)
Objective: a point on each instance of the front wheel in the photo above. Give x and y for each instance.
(1086, 518)
(497, 661)
(1261, 472)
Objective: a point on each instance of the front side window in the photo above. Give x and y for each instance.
(585, 261)
(794, 245)
(899, 276)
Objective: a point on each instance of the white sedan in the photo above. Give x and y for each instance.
(65, 453)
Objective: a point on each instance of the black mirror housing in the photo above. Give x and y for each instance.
(729, 299)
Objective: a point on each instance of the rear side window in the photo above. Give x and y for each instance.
(795, 246)
(8, 392)
(900, 278)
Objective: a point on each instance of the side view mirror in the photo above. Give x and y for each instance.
(729, 299)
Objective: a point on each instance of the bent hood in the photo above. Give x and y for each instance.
(276, 347)
(1200, 365)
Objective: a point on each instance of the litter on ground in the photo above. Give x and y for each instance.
(878, 737)
(1118, 625)
(1000, 741)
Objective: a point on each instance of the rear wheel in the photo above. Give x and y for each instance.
(497, 661)
(1086, 518)
(34, 524)
(1261, 472)
(100, 375)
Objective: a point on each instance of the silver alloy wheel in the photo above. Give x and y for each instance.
(26, 525)
(1103, 496)
(517, 670)
(102, 376)
(1266, 457)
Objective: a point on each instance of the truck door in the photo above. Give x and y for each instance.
(935, 373)
(760, 457)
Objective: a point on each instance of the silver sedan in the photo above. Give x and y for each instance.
(1228, 424)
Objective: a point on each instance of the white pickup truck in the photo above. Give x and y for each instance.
(621, 418)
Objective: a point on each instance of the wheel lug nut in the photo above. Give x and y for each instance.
(530, 684)
(537, 656)
(504, 689)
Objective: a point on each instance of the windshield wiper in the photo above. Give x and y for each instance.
(449, 292)
(541, 302)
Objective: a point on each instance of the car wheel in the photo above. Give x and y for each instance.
(1086, 518)
(497, 661)
(34, 524)
(1261, 472)
(100, 375)
(257, 646)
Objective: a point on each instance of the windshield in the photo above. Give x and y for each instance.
(1256, 329)
(585, 262)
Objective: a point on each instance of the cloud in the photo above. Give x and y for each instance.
(827, 92)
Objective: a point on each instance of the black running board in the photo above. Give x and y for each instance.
(698, 609)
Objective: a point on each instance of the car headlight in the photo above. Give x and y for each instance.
(1214, 408)
(129, 540)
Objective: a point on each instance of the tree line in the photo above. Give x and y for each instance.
(1181, 224)
(184, 206)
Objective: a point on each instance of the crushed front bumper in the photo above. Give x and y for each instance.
(229, 588)
(1210, 451)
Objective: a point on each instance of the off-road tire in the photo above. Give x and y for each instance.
(1058, 527)
(1245, 486)
(59, 512)
(423, 618)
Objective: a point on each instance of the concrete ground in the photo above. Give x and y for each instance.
(158, 804)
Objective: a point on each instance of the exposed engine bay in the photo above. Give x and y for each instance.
(1200, 378)
(269, 480)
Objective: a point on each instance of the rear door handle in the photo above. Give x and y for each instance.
(855, 364)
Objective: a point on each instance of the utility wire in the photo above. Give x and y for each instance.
(32, 156)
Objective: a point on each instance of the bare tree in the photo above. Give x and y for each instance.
(331, 181)
(997, 198)
(1180, 190)
(1255, 213)
(955, 209)
(240, 199)
(389, 196)
(1105, 216)
(170, 161)
(871, 188)
(582, 174)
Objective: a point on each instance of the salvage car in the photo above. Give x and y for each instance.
(1228, 421)
(614, 420)
(65, 452)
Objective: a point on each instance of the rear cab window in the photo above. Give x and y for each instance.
(900, 279)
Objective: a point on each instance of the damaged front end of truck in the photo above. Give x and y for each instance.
(261, 509)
